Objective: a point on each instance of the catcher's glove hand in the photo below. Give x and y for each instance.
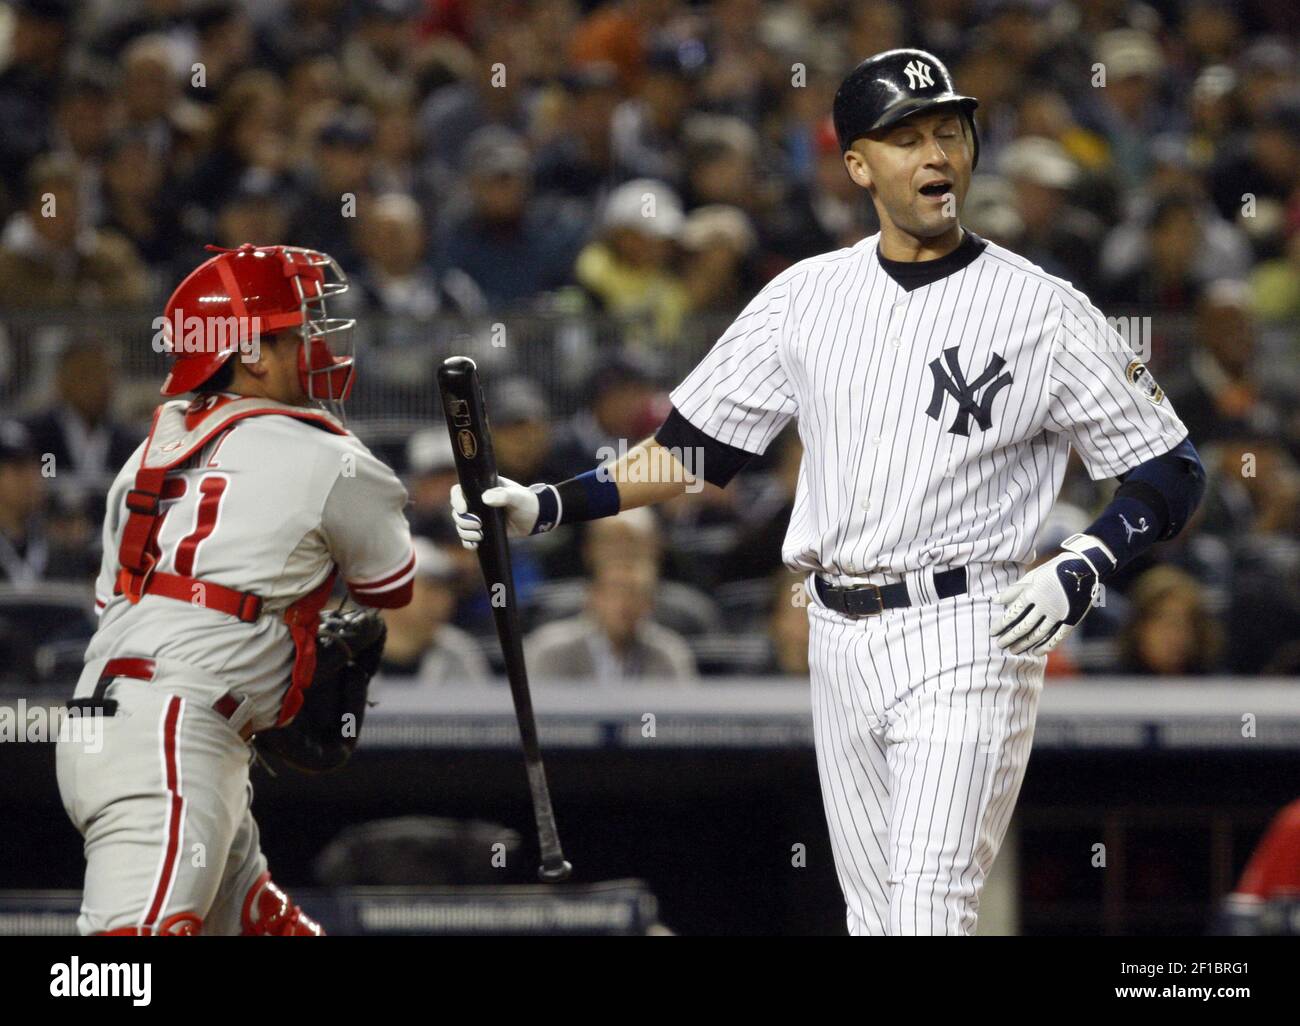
(321, 737)
(1045, 605)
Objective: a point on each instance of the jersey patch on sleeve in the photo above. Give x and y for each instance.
(1141, 379)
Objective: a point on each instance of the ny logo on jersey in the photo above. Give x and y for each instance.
(918, 74)
(954, 383)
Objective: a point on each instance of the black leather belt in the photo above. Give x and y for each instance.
(858, 600)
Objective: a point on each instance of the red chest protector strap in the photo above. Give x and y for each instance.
(303, 617)
(137, 575)
(178, 431)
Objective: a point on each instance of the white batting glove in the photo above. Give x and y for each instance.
(520, 504)
(1045, 605)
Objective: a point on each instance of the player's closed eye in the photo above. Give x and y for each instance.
(910, 139)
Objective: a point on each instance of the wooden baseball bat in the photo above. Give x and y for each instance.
(471, 443)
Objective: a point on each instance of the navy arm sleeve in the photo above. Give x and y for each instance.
(717, 461)
(1153, 502)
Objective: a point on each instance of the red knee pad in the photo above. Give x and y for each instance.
(182, 924)
(268, 912)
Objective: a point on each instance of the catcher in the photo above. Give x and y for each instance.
(223, 538)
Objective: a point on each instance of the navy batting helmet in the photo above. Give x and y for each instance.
(886, 88)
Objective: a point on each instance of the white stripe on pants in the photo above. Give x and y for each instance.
(923, 728)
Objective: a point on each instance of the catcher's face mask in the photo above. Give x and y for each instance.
(326, 359)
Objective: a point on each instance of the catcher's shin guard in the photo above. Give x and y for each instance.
(268, 912)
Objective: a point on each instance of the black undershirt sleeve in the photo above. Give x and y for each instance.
(718, 461)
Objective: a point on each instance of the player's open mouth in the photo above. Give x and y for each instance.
(938, 189)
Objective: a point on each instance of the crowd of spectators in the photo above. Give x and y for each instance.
(651, 162)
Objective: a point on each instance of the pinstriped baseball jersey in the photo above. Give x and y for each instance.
(267, 506)
(936, 402)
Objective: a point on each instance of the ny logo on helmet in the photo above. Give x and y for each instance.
(954, 383)
(918, 74)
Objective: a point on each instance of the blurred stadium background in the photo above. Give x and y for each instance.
(478, 169)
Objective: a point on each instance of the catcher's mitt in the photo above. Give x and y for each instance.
(321, 737)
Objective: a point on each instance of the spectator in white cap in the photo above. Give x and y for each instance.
(630, 270)
(422, 647)
(723, 159)
(1129, 110)
(719, 241)
(1057, 235)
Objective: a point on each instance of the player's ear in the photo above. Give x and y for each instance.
(253, 360)
(856, 164)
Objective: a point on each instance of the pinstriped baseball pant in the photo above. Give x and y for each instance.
(923, 728)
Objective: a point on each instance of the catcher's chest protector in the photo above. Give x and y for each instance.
(179, 430)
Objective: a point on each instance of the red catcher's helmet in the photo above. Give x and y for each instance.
(240, 295)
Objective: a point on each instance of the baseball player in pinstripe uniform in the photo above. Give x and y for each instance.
(939, 382)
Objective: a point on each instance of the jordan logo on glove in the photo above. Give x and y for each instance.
(1041, 611)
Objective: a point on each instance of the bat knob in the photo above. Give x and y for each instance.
(458, 365)
(555, 872)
